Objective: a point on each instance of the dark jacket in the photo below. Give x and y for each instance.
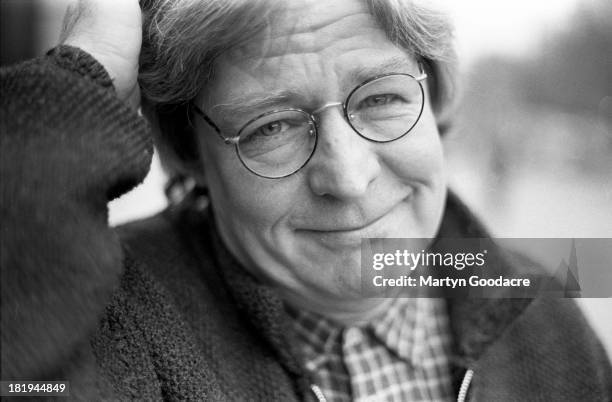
(159, 309)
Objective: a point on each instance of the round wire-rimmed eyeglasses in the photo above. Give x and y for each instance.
(280, 142)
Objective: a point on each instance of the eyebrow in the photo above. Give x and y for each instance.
(248, 103)
(396, 64)
(238, 108)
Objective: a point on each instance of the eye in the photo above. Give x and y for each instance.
(276, 127)
(380, 100)
(272, 128)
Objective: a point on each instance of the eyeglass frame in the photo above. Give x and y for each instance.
(313, 120)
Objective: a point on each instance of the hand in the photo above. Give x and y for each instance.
(110, 31)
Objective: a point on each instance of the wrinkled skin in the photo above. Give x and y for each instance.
(302, 233)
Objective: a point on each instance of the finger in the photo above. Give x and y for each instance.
(71, 16)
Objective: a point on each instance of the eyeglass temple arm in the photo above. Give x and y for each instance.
(212, 124)
(422, 74)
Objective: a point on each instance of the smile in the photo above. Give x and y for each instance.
(350, 235)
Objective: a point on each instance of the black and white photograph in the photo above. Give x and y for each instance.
(306, 200)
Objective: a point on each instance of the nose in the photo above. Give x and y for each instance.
(344, 164)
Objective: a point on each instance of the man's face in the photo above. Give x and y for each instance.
(302, 233)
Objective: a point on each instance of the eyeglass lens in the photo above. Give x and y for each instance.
(280, 143)
(277, 144)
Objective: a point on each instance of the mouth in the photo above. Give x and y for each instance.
(349, 235)
(340, 227)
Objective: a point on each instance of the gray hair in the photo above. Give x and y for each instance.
(182, 39)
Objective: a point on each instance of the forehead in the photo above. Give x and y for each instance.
(303, 26)
(316, 49)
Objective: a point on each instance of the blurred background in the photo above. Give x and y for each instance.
(531, 151)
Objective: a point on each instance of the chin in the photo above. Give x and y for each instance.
(333, 275)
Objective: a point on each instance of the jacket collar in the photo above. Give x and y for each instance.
(476, 322)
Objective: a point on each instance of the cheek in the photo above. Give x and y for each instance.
(240, 198)
(418, 156)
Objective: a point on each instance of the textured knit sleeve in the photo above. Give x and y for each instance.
(68, 146)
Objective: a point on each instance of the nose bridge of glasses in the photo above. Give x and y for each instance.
(326, 106)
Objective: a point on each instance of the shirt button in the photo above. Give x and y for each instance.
(352, 336)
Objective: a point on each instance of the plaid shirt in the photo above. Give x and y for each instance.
(401, 356)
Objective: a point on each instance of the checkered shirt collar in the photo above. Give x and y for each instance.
(401, 329)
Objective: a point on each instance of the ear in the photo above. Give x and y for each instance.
(175, 141)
